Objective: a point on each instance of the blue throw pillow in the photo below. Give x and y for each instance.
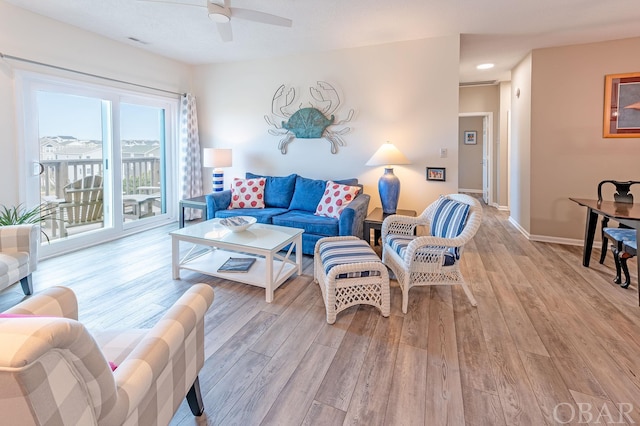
(278, 190)
(449, 218)
(307, 194)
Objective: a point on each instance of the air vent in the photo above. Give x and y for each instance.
(479, 83)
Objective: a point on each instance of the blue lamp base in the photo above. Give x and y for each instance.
(217, 180)
(389, 189)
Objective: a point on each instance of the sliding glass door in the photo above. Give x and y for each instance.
(143, 160)
(73, 149)
(97, 160)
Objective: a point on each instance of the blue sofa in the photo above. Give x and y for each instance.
(292, 201)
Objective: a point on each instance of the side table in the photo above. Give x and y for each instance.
(192, 203)
(374, 221)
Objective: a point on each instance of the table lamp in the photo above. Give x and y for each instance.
(217, 158)
(388, 184)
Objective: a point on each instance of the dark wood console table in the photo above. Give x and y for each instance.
(374, 221)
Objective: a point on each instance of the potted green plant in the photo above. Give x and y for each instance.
(20, 215)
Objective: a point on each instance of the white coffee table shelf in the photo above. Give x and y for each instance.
(262, 242)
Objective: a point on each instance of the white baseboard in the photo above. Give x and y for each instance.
(558, 240)
(499, 207)
(518, 227)
(470, 191)
(548, 239)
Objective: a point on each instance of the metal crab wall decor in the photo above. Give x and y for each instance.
(310, 122)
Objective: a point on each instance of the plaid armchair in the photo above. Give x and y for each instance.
(18, 255)
(54, 372)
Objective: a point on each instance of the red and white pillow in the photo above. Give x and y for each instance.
(335, 198)
(247, 193)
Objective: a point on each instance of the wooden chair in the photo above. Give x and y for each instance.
(629, 250)
(622, 195)
(82, 205)
(624, 249)
(452, 220)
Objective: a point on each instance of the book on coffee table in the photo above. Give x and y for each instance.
(237, 264)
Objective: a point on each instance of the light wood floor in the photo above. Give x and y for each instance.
(548, 340)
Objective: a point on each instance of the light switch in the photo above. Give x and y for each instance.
(443, 152)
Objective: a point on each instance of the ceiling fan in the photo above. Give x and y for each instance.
(222, 14)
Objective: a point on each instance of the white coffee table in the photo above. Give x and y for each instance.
(260, 241)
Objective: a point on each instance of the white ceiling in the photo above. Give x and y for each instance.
(498, 31)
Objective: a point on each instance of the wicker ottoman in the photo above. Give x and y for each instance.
(350, 273)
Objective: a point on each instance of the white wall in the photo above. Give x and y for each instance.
(406, 93)
(34, 37)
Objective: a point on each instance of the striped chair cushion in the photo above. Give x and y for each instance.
(449, 220)
(399, 243)
(347, 252)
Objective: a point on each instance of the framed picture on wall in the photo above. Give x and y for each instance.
(436, 173)
(622, 105)
(470, 137)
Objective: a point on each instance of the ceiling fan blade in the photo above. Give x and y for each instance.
(224, 28)
(265, 18)
(172, 2)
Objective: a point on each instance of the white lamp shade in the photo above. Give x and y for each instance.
(214, 157)
(388, 155)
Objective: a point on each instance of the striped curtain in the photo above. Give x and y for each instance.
(190, 161)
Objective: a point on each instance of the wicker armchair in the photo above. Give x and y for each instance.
(433, 259)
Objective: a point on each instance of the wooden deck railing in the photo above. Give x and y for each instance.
(136, 172)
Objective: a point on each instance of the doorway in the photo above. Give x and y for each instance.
(474, 154)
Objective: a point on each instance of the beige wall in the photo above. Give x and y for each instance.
(34, 37)
(520, 154)
(569, 156)
(502, 151)
(470, 156)
(398, 91)
(487, 99)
